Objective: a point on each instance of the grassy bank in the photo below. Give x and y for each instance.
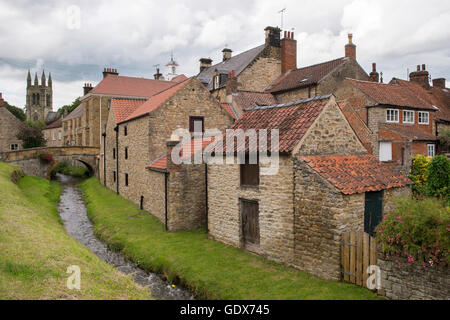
(35, 251)
(208, 268)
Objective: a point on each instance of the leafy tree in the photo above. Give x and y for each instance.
(31, 135)
(17, 112)
(418, 175)
(438, 177)
(444, 140)
(69, 108)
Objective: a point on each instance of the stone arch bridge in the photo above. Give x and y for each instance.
(40, 161)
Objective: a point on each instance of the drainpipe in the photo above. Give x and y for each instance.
(104, 158)
(166, 177)
(116, 129)
(206, 197)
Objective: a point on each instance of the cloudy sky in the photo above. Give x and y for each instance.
(75, 40)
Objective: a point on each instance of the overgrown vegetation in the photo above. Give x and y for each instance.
(418, 230)
(444, 140)
(35, 250)
(208, 268)
(69, 170)
(31, 134)
(17, 112)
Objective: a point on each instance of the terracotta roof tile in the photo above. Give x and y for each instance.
(124, 107)
(360, 173)
(411, 132)
(247, 99)
(130, 86)
(156, 101)
(229, 109)
(304, 77)
(159, 163)
(401, 93)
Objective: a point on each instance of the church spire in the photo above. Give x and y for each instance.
(49, 79)
(36, 83)
(29, 79)
(43, 82)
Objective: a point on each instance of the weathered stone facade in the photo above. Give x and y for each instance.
(412, 281)
(39, 98)
(9, 128)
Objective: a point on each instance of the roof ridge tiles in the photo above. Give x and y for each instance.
(289, 104)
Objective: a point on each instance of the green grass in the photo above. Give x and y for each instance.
(35, 250)
(208, 268)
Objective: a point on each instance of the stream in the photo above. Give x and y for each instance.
(72, 210)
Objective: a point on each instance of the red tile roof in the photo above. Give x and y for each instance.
(411, 132)
(247, 99)
(443, 95)
(229, 109)
(360, 173)
(304, 77)
(407, 94)
(156, 101)
(124, 107)
(130, 86)
(179, 78)
(159, 164)
(291, 119)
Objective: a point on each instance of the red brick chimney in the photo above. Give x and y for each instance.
(350, 48)
(374, 75)
(439, 83)
(420, 77)
(232, 83)
(87, 87)
(107, 71)
(288, 52)
(1, 100)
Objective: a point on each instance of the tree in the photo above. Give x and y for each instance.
(438, 178)
(17, 112)
(31, 135)
(69, 108)
(444, 140)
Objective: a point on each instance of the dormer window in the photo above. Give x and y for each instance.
(216, 83)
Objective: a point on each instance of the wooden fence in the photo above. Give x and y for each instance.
(358, 252)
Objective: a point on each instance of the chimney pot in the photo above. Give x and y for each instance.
(423, 67)
(374, 67)
(205, 63)
(350, 48)
(288, 52)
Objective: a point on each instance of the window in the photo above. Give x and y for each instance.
(125, 130)
(216, 82)
(249, 173)
(196, 124)
(114, 176)
(391, 115)
(126, 153)
(408, 116)
(114, 153)
(59, 135)
(14, 147)
(126, 179)
(53, 136)
(431, 150)
(385, 151)
(424, 117)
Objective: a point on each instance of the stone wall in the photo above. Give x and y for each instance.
(412, 281)
(258, 75)
(54, 137)
(9, 128)
(275, 200)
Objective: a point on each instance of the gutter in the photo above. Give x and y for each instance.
(116, 129)
(206, 197)
(166, 178)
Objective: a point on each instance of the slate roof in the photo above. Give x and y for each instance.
(237, 63)
(407, 94)
(51, 117)
(54, 124)
(247, 99)
(410, 132)
(124, 107)
(130, 86)
(291, 119)
(76, 113)
(360, 173)
(304, 77)
(156, 101)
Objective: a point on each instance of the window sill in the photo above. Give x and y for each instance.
(249, 187)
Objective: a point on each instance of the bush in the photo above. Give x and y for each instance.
(438, 177)
(418, 230)
(68, 170)
(45, 157)
(444, 140)
(419, 172)
(31, 135)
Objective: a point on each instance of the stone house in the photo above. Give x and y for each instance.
(253, 69)
(319, 79)
(91, 114)
(394, 121)
(326, 184)
(135, 144)
(53, 134)
(9, 128)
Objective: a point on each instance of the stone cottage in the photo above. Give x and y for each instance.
(326, 184)
(53, 134)
(9, 128)
(135, 144)
(394, 120)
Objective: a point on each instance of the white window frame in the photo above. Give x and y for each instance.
(381, 156)
(427, 116)
(13, 147)
(216, 83)
(408, 112)
(59, 135)
(431, 147)
(388, 118)
(54, 136)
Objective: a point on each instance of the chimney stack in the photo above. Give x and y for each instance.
(288, 52)
(158, 75)
(205, 63)
(227, 53)
(232, 84)
(374, 75)
(273, 36)
(171, 166)
(87, 87)
(1, 100)
(439, 83)
(350, 48)
(107, 71)
(420, 77)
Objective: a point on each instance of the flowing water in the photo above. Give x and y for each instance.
(72, 210)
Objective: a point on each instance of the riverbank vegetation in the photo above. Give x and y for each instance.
(35, 250)
(209, 269)
(70, 170)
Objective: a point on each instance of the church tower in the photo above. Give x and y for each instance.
(172, 68)
(39, 97)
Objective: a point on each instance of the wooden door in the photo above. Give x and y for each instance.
(250, 222)
(373, 211)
